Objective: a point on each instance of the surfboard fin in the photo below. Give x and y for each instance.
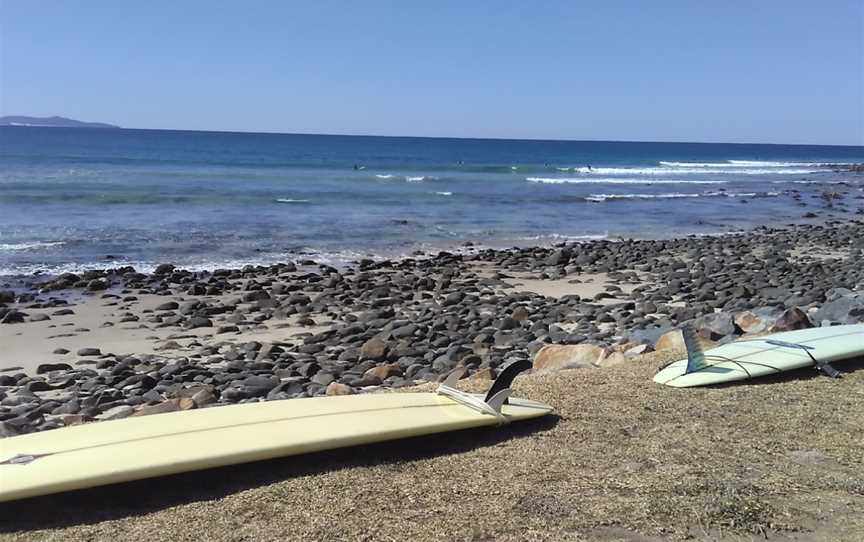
(505, 378)
(497, 396)
(695, 355)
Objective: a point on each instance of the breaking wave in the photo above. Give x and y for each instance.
(612, 180)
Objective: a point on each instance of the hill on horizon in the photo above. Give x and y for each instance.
(57, 122)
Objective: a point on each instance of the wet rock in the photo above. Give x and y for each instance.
(164, 269)
(97, 285)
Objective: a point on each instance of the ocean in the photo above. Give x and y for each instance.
(74, 199)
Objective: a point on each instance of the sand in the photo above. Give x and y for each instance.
(30, 344)
(623, 459)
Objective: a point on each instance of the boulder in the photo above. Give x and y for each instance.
(843, 309)
(374, 349)
(671, 340)
(715, 326)
(750, 322)
(790, 320)
(638, 350)
(383, 372)
(336, 388)
(554, 357)
(610, 359)
(171, 405)
(116, 413)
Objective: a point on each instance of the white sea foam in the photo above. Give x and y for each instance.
(742, 164)
(289, 200)
(384, 176)
(697, 170)
(35, 245)
(444, 193)
(614, 180)
(598, 198)
(418, 179)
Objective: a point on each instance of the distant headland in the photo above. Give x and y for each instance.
(56, 122)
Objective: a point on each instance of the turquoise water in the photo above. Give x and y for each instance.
(77, 198)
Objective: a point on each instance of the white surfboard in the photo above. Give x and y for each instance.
(767, 355)
(107, 452)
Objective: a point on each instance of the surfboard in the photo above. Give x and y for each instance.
(107, 452)
(761, 356)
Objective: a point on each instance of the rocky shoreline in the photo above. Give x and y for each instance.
(301, 329)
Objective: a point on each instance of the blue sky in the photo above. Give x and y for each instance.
(743, 71)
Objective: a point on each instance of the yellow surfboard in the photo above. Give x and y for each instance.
(102, 453)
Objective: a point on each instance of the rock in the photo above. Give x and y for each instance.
(164, 269)
(790, 320)
(116, 413)
(60, 351)
(97, 285)
(335, 388)
(638, 350)
(198, 321)
(257, 386)
(559, 257)
(48, 367)
(611, 358)
(323, 378)
(671, 340)
(554, 357)
(13, 317)
(9, 430)
(483, 374)
(715, 326)
(89, 352)
(520, 314)
(171, 405)
(374, 349)
(74, 419)
(7, 296)
(846, 309)
(750, 322)
(453, 298)
(383, 372)
(169, 306)
(40, 317)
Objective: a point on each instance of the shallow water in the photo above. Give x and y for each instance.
(70, 198)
